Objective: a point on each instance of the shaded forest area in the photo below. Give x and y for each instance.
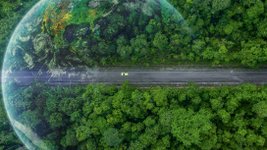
(107, 117)
(8, 139)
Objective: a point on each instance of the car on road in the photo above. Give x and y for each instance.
(124, 74)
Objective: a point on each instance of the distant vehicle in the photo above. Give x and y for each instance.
(124, 74)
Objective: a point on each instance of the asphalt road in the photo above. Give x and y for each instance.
(143, 77)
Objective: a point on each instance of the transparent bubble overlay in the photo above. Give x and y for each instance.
(68, 43)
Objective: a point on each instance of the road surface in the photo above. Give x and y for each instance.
(143, 77)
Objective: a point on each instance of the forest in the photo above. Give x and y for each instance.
(127, 117)
(226, 32)
(11, 11)
(8, 139)
(223, 32)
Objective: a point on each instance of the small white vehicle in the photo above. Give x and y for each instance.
(124, 74)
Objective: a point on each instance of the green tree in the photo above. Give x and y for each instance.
(123, 49)
(218, 5)
(56, 120)
(69, 139)
(256, 9)
(161, 43)
(253, 53)
(189, 127)
(111, 137)
(140, 48)
(260, 109)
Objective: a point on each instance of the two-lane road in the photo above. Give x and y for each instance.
(144, 77)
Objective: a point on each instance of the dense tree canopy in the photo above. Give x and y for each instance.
(227, 24)
(106, 117)
(126, 117)
(7, 135)
(221, 32)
